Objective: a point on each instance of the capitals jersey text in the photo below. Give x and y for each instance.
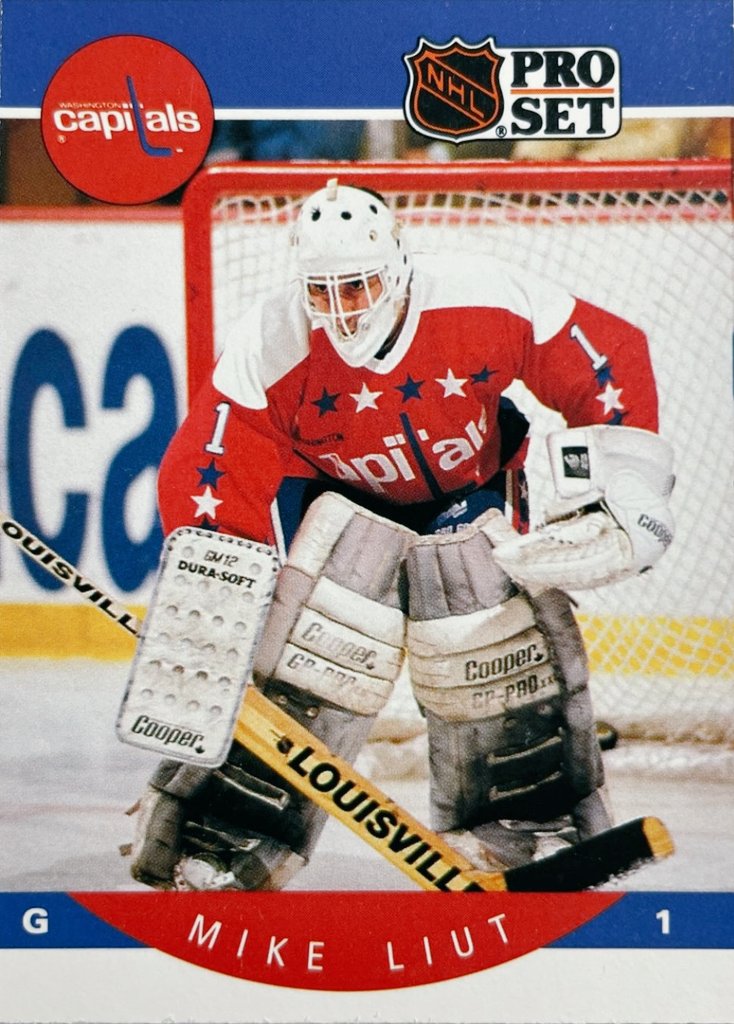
(412, 427)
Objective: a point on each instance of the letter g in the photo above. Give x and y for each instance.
(35, 921)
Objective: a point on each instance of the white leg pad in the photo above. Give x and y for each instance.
(480, 664)
(502, 678)
(336, 627)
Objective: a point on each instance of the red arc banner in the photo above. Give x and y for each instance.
(346, 941)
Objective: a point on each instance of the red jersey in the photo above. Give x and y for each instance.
(410, 427)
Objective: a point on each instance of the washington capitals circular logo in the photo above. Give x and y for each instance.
(453, 91)
(127, 119)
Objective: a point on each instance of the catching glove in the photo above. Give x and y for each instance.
(610, 519)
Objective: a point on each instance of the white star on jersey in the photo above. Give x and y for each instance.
(366, 399)
(452, 385)
(206, 504)
(610, 399)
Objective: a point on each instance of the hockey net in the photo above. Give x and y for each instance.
(652, 243)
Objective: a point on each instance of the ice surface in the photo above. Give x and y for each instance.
(68, 781)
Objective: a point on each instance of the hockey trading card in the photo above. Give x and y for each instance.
(367, 584)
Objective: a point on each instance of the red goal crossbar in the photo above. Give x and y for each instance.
(567, 181)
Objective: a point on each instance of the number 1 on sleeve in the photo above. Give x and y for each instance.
(215, 446)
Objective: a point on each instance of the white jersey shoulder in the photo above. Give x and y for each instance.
(460, 279)
(264, 344)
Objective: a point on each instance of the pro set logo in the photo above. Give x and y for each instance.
(127, 119)
(457, 91)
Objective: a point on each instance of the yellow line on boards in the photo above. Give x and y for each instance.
(662, 645)
(63, 631)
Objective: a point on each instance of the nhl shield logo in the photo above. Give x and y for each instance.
(453, 90)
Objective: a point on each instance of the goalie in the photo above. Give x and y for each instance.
(357, 420)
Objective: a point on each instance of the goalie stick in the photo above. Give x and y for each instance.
(305, 762)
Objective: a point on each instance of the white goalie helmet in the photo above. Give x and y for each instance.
(354, 268)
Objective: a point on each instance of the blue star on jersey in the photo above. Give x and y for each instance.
(483, 375)
(327, 402)
(411, 388)
(209, 475)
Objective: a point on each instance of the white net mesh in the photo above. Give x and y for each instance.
(661, 646)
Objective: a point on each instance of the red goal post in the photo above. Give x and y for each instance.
(653, 243)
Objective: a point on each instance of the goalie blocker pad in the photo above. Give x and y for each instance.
(197, 645)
